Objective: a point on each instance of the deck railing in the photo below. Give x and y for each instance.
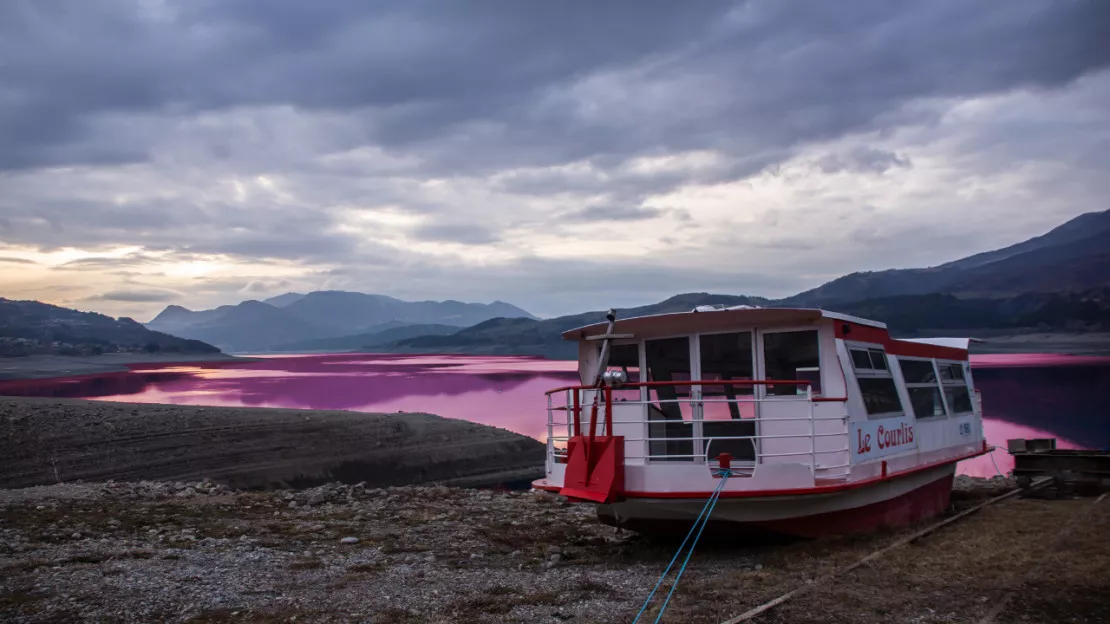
(763, 436)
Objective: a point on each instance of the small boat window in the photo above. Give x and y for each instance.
(923, 387)
(626, 358)
(793, 355)
(869, 360)
(956, 392)
(880, 395)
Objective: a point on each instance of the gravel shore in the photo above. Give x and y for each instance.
(44, 441)
(199, 552)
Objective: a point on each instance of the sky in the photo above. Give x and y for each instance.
(561, 156)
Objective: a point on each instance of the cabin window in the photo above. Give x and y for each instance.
(864, 360)
(922, 385)
(876, 385)
(956, 392)
(880, 396)
(792, 355)
(626, 358)
(728, 412)
(670, 414)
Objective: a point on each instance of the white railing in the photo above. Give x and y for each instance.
(780, 429)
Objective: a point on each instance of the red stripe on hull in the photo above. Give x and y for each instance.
(914, 506)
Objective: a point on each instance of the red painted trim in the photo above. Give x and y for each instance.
(820, 489)
(875, 335)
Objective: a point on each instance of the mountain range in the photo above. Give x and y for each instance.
(32, 328)
(1056, 282)
(293, 320)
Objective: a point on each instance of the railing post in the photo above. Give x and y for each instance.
(550, 460)
(812, 432)
(609, 411)
(577, 414)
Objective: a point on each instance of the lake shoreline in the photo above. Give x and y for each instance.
(45, 441)
(34, 367)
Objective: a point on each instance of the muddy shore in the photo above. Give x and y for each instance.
(198, 552)
(51, 366)
(45, 441)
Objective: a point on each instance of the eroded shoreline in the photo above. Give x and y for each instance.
(44, 441)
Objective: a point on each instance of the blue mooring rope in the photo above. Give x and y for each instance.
(699, 526)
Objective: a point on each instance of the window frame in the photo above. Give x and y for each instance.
(875, 373)
(945, 384)
(934, 385)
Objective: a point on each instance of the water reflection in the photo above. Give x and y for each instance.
(1023, 396)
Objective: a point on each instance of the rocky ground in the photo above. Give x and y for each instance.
(199, 552)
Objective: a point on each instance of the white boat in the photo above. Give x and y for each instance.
(826, 424)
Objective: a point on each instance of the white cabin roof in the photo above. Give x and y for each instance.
(709, 319)
(956, 343)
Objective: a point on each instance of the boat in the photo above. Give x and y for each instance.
(819, 423)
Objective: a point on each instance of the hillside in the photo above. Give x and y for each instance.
(531, 337)
(348, 317)
(1073, 257)
(34, 328)
(368, 341)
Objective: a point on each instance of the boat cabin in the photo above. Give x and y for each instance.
(787, 399)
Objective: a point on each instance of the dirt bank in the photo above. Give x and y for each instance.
(43, 441)
(200, 553)
(50, 366)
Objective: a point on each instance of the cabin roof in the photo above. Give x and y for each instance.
(707, 319)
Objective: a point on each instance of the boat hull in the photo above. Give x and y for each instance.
(888, 503)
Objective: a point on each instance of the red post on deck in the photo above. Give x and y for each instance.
(577, 415)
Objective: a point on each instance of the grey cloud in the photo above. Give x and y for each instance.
(349, 103)
(613, 212)
(454, 232)
(863, 160)
(7, 260)
(138, 296)
(483, 85)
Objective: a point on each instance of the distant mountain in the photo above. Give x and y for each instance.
(281, 301)
(248, 326)
(522, 336)
(295, 318)
(32, 327)
(1073, 257)
(368, 341)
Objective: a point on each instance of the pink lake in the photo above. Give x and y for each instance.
(1024, 396)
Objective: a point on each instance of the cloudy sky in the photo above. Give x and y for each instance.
(558, 155)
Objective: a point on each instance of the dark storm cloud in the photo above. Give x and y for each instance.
(261, 129)
(452, 77)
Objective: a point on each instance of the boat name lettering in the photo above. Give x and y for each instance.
(876, 438)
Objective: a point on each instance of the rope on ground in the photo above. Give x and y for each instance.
(1001, 605)
(698, 526)
(751, 613)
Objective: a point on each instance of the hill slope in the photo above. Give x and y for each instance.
(32, 327)
(1072, 257)
(504, 336)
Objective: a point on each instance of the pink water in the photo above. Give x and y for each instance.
(1024, 396)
